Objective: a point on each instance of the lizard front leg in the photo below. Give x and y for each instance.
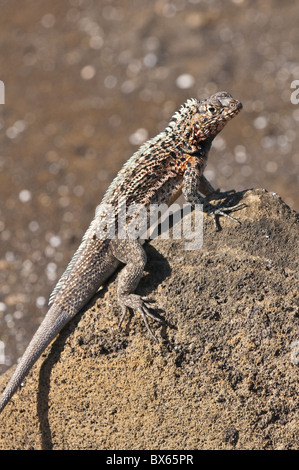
(193, 182)
(131, 253)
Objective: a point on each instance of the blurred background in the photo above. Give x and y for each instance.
(87, 82)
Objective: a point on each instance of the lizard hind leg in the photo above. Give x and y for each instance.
(131, 253)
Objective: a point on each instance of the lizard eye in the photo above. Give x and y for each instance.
(212, 109)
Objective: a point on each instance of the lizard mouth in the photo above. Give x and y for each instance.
(235, 108)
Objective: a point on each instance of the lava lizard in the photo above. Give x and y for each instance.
(167, 165)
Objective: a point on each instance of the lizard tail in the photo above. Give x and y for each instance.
(53, 322)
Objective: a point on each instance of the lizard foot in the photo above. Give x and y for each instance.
(215, 211)
(142, 304)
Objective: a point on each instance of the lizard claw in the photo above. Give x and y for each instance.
(142, 305)
(214, 211)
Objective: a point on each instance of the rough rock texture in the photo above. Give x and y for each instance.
(221, 378)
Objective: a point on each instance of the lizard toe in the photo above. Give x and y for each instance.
(143, 306)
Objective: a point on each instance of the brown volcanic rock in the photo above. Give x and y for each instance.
(221, 378)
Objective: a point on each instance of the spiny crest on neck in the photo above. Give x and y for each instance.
(182, 115)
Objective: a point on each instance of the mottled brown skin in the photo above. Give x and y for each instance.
(171, 163)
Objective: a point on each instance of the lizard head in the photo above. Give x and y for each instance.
(199, 121)
(212, 114)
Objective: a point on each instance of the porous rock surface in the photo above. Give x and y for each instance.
(224, 373)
